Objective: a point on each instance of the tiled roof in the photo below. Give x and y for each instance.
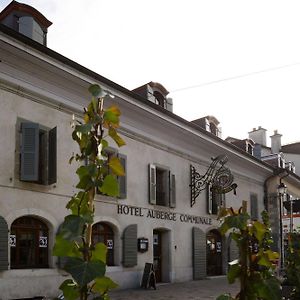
(291, 148)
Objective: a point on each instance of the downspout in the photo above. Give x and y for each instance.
(276, 172)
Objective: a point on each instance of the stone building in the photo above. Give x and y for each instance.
(157, 218)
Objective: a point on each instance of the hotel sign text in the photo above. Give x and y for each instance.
(161, 215)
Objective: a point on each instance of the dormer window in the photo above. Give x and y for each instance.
(159, 98)
(29, 27)
(281, 161)
(26, 20)
(156, 93)
(213, 128)
(249, 149)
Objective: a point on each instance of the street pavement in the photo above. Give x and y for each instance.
(206, 289)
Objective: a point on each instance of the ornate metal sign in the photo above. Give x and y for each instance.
(217, 176)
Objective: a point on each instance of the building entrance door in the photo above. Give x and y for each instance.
(157, 255)
(214, 253)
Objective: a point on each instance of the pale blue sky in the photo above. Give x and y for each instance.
(192, 43)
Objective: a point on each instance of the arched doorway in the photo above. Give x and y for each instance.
(103, 233)
(28, 243)
(214, 253)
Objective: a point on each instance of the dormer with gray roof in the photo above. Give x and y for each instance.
(26, 20)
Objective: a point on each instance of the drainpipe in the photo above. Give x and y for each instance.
(276, 173)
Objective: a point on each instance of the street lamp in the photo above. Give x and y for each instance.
(281, 189)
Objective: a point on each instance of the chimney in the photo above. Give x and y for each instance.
(258, 136)
(276, 142)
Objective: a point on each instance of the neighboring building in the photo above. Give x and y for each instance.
(39, 91)
(285, 160)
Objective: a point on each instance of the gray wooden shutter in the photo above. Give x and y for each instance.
(123, 179)
(253, 207)
(30, 152)
(130, 246)
(52, 152)
(172, 191)
(152, 184)
(3, 244)
(61, 260)
(199, 253)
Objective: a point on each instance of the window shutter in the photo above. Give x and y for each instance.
(123, 179)
(172, 191)
(254, 207)
(207, 125)
(199, 253)
(152, 184)
(61, 260)
(208, 200)
(3, 244)
(52, 153)
(30, 152)
(130, 246)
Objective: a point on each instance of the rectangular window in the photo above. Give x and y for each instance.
(37, 154)
(122, 180)
(214, 201)
(253, 207)
(161, 186)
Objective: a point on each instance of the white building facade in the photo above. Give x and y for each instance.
(153, 220)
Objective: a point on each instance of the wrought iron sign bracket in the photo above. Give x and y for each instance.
(217, 176)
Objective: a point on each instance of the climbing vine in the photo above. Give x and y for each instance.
(84, 260)
(256, 263)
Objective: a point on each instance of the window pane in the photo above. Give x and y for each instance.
(27, 251)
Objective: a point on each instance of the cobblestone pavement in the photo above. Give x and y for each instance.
(207, 289)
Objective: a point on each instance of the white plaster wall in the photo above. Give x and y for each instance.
(151, 137)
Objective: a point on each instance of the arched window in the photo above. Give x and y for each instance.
(28, 244)
(103, 233)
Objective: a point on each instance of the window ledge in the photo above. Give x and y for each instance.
(112, 269)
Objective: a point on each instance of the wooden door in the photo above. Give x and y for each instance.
(157, 255)
(214, 253)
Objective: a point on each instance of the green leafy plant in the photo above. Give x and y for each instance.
(256, 263)
(292, 264)
(85, 261)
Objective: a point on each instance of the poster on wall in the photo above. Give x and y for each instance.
(12, 240)
(43, 242)
(110, 244)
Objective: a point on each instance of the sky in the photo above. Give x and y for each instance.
(237, 60)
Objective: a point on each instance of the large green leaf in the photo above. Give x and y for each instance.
(260, 230)
(95, 90)
(84, 128)
(103, 284)
(84, 272)
(99, 253)
(116, 166)
(268, 289)
(85, 183)
(110, 186)
(233, 273)
(114, 135)
(70, 289)
(72, 227)
(65, 247)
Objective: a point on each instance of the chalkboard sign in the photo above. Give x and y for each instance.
(148, 279)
